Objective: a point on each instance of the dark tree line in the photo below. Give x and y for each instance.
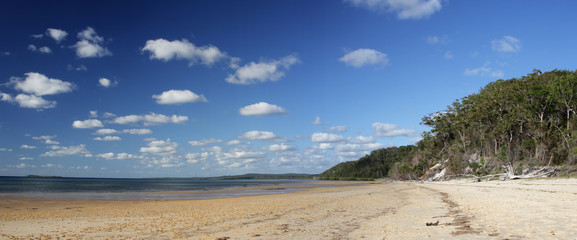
(527, 121)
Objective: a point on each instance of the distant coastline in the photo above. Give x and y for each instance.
(248, 176)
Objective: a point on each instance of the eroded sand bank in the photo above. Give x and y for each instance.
(542, 209)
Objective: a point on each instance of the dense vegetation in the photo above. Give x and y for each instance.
(375, 165)
(525, 122)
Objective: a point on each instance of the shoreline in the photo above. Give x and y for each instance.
(519, 209)
(219, 192)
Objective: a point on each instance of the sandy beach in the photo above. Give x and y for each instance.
(520, 209)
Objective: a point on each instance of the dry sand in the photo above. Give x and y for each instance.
(522, 209)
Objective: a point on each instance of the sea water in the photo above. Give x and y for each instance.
(139, 189)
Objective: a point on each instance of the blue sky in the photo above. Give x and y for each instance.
(208, 88)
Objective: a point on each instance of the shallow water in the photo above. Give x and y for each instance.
(142, 189)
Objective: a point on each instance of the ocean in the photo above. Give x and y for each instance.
(141, 189)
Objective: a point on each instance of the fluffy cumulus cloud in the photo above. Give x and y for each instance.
(90, 45)
(40, 85)
(363, 57)
(405, 9)
(150, 119)
(261, 135)
(392, 130)
(321, 137)
(59, 151)
(163, 49)
(90, 123)
(34, 86)
(29, 101)
(105, 82)
(507, 44)
(263, 71)
(178, 97)
(160, 147)
(45, 50)
(261, 109)
(56, 34)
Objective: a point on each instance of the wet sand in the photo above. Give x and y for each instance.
(538, 209)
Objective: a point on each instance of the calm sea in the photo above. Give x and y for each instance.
(140, 189)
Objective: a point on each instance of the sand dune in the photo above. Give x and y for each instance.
(524, 209)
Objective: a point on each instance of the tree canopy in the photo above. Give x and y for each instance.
(527, 121)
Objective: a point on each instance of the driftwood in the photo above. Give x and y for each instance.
(545, 171)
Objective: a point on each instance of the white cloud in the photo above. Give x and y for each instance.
(204, 142)
(178, 97)
(356, 149)
(80, 68)
(233, 142)
(405, 9)
(45, 50)
(278, 147)
(160, 147)
(261, 135)
(24, 146)
(51, 142)
(56, 34)
(29, 101)
(105, 131)
(484, 71)
(107, 138)
(317, 121)
(90, 123)
(196, 157)
(22, 165)
(338, 129)
(50, 165)
(106, 155)
(141, 131)
(40, 85)
(321, 137)
(261, 109)
(167, 50)
(325, 146)
(119, 156)
(363, 57)
(449, 55)
(392, 130)
(5, 150)
(506, 44)
(361, 139)
(6, 97)
(90, 45)
(47, 139)
(150, 119)
(252, 72)
(241, 154)
(58, 151)
(105, 82)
